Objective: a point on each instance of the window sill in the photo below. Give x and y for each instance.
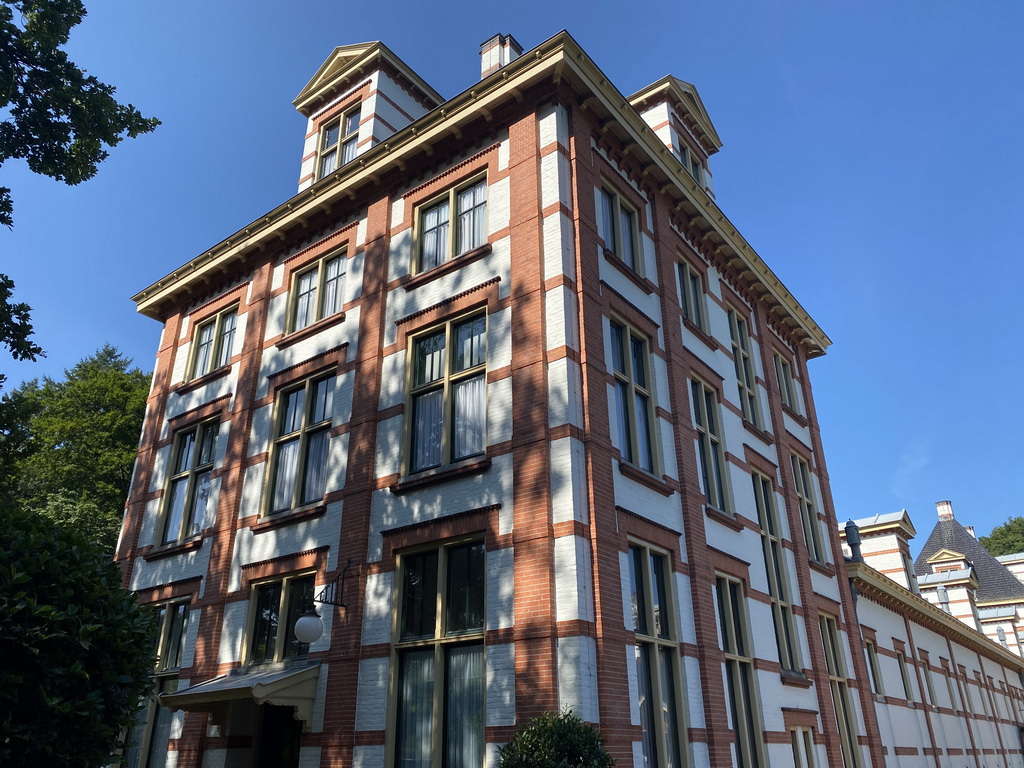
(177, 548)
(797, 679)
(823, 568)
(726, 519)
(799, 419)
(759, 433)
(449, 266)
(430, 477)
(644, 477)
(310, 330)
(206, 378)
(642, 283)
(308, 512)
(700, 333)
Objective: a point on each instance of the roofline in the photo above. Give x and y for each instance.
(670, 83)
(559, 56)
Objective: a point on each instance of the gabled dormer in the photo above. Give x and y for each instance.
(361, 95)
(674, 111)
(947, 560)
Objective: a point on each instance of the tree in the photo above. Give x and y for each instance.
(556, 741)
(77, 651)
(1005, 539)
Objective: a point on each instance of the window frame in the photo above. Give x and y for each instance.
(802, 741)
(440, 642)
(453, 247)
(447, 383)
(803, 487)
(874, 672)
(777, 572)
(692, 295)
(710, 447)
(308, 386)
(346, 138)
(787, 384)
(614, 242)
(746, 368)
(284, 611)
(908, 688)
(319, 266)
(189, 476)
(633, 390)
(217, 345)
(839, 685)
(659, 645)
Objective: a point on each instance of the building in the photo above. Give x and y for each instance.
(504, 394)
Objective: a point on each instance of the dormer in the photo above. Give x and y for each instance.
(361, 95)
(885, 545)
(947, 560)
(674, 111)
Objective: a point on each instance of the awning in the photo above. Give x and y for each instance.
(290, 687)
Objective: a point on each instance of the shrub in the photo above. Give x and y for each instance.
(556, 741)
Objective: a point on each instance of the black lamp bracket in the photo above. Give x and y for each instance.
(334, 593)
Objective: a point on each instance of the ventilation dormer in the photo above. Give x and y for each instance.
(361, 95)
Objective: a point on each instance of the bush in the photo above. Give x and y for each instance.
(76, 650)
(556, 741)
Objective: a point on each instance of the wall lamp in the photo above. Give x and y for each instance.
(309, 627)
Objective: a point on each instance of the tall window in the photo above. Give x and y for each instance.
(964, 683)
(317, 292)
(778, 575)
(951, 691)
(874, 674)
(618, 229)
(710, 453)
(276, 606)
(787, 387)
(734, 633)
(147, 744)
(746, 380)
(657, 657)
(299, 474)
(908, 689)
(835, 663)
(448, 393)
(188, 491)
(213, 343)
(439, 651)
(802, 741)
(808, 512)
(691, 295)
(633, 399)
(439, 240)
(338, 141)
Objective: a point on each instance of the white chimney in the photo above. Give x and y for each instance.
(497, 52)
(970, 530)
(945, 509)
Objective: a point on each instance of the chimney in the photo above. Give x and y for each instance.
(945, 509)
(497, 52)
(970, 530)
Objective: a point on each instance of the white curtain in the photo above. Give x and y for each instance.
(416, 710)
(316, 467)
(227, 338)
(472, 210)
(465, 705)
(305, 304)
(643, 432)
(470, 421)
(627, 239)
(428, 420)
(205, 342)
(333, 281)
(606, 224)
(176, 509)
(348, 151)
(435, 236)
(200, 503)
(284, 474)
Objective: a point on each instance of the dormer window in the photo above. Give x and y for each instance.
(338, 137)
(690, 162)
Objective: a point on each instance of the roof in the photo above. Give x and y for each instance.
(884, 521)
(995, 582)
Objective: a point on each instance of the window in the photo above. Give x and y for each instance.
(691, 295)
(618, 229)
(214, 340)
(690, 161)
(835, 663)
(657, 657)
(873, 673)
(951, 691)
(929, 688)
(633, 397)
(908, 690)
(152, 728)
(787, 387)
(802, 741)
(746, 380)
(777, 572)
(734, 633)
(275, 607)
(448, 393)
(188, 491)
(965, 690)
(808, 513)
(439, 652)
(338, 137)
(299, 474)
(440, 241)
(317, 292)
(710, 454)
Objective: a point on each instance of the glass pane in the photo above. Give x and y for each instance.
(643, 678)
(660, 594)
(162, 718)
(428, 421)
(696, 292)
(305, 300)
(465, 598)
(464, 702)
(718, 477)
(314, 482)
(638, 599)
(618, 348)
(328, 163)
(622, 408)
(419, 595)
(704, 465)
(300, 599)
(331, 135)
(428, 359)
(669, 717)
(628, 227)
(323, 401)
(470, 344)
(208, 445)
(472, 212)
(176, 509)
(723, 614)
(284, 474)
(348, 151)
(177, 615)
(264, 630)
(639, 355)
(291, 419)
(333, 281)
(204, 349)
(200, 503)
(186, 446)
(738, 627)
(415, 709)
(352, 122)
(608, 219)
(227, 338)
(643, 432)
(469, 414)
(435, 236)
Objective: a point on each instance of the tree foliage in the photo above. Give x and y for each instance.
(1005, 539)
(556, 741)
(77, 651)
(67, 448)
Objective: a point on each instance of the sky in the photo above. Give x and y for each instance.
(871, 155)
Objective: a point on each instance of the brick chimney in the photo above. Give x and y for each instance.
(945, 509)
(497, 52)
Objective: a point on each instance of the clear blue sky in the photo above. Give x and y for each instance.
(872, 156)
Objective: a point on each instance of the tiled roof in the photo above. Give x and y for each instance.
(995, 582)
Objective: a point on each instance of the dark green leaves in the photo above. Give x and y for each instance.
(556, 741)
